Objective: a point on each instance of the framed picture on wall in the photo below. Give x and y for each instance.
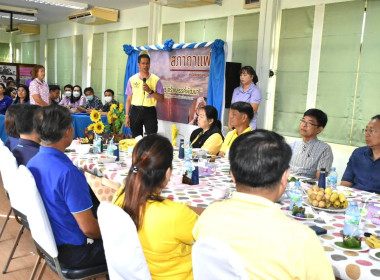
(20, 73)
(8, 73)
(251, 4)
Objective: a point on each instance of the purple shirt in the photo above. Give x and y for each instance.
(251, 95)
(80, 102)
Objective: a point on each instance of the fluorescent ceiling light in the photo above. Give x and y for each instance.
(62, 3)
(18, 17)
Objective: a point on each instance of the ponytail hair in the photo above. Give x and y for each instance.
(151, 158)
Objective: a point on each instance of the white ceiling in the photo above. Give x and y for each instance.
(50, 14)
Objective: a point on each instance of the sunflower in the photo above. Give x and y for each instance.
(121, 108)
(91, 127)
(99, 127)
(113, 106)
(95, 116)
(174, 134)
(109, 117)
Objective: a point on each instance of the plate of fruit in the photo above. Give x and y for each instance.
(326, 199)
(299, 213)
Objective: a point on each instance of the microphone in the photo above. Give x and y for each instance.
(144, 82)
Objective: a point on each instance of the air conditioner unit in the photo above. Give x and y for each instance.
(25, 29)
(251, 4)
(186, 3)
(95, 16)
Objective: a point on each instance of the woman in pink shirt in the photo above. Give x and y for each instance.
(38, 88)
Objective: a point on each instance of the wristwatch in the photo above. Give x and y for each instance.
(151, 92)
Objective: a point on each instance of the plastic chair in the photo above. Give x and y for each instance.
(213, 259)
(124, 254)
(43, 237)
(8, 167)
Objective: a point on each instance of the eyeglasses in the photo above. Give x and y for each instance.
(308, 123)
(370, 131)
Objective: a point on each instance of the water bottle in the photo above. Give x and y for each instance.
(295, 195)
(97, 144)
(187, 168)
(188, 151)
(181, 153)
(322, 178)
(332, 179)
(352, 219)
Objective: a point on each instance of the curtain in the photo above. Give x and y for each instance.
(340, 50)
(51, 61)
(245, 38)
(4, 52)
(97, 62)
(116, 61)
(170, 31)
(65, 61)
(293, 69)
(368, 96)
(78, 59)
(28, 52)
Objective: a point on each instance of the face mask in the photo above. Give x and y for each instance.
(67, 93)
(108, 99)
(76, 93)
(90, 97)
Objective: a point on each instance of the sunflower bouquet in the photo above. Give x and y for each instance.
(98, 125)
(116, 118)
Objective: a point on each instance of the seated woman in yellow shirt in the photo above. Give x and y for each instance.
(208, 136)
(241, 114)
(164, 227)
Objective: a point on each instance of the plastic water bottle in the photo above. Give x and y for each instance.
(322, 178)
(188, 151)
(181, 153)
(187, 167)
(332, 179)
(352, 219)
(295, 195)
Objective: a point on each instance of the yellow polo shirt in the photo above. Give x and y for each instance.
(212, 144)
(139, 98)
(230, 138)
(271, 245)
(166, 238)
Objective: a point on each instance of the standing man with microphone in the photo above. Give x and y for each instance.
(143, 91)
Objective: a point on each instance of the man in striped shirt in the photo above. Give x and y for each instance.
(311, 154)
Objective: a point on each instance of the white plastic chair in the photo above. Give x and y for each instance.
(214, 260)
(43, 236)
(124, 254)
(9, 167)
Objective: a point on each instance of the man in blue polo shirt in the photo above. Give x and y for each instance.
(363, 168)
(29, 142)
(65, 192)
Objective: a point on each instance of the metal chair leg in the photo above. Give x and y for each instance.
(13, 249)
(35, 266)
(5, 222)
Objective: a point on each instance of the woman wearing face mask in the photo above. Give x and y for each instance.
(109, 100)
(77, 99)
(66, 100)
(39, 89)
(22, 95)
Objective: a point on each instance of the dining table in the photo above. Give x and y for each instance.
(106, 178)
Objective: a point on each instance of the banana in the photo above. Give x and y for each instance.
(373, 241)
(333, 197)
(336, 203)
(342, 197)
